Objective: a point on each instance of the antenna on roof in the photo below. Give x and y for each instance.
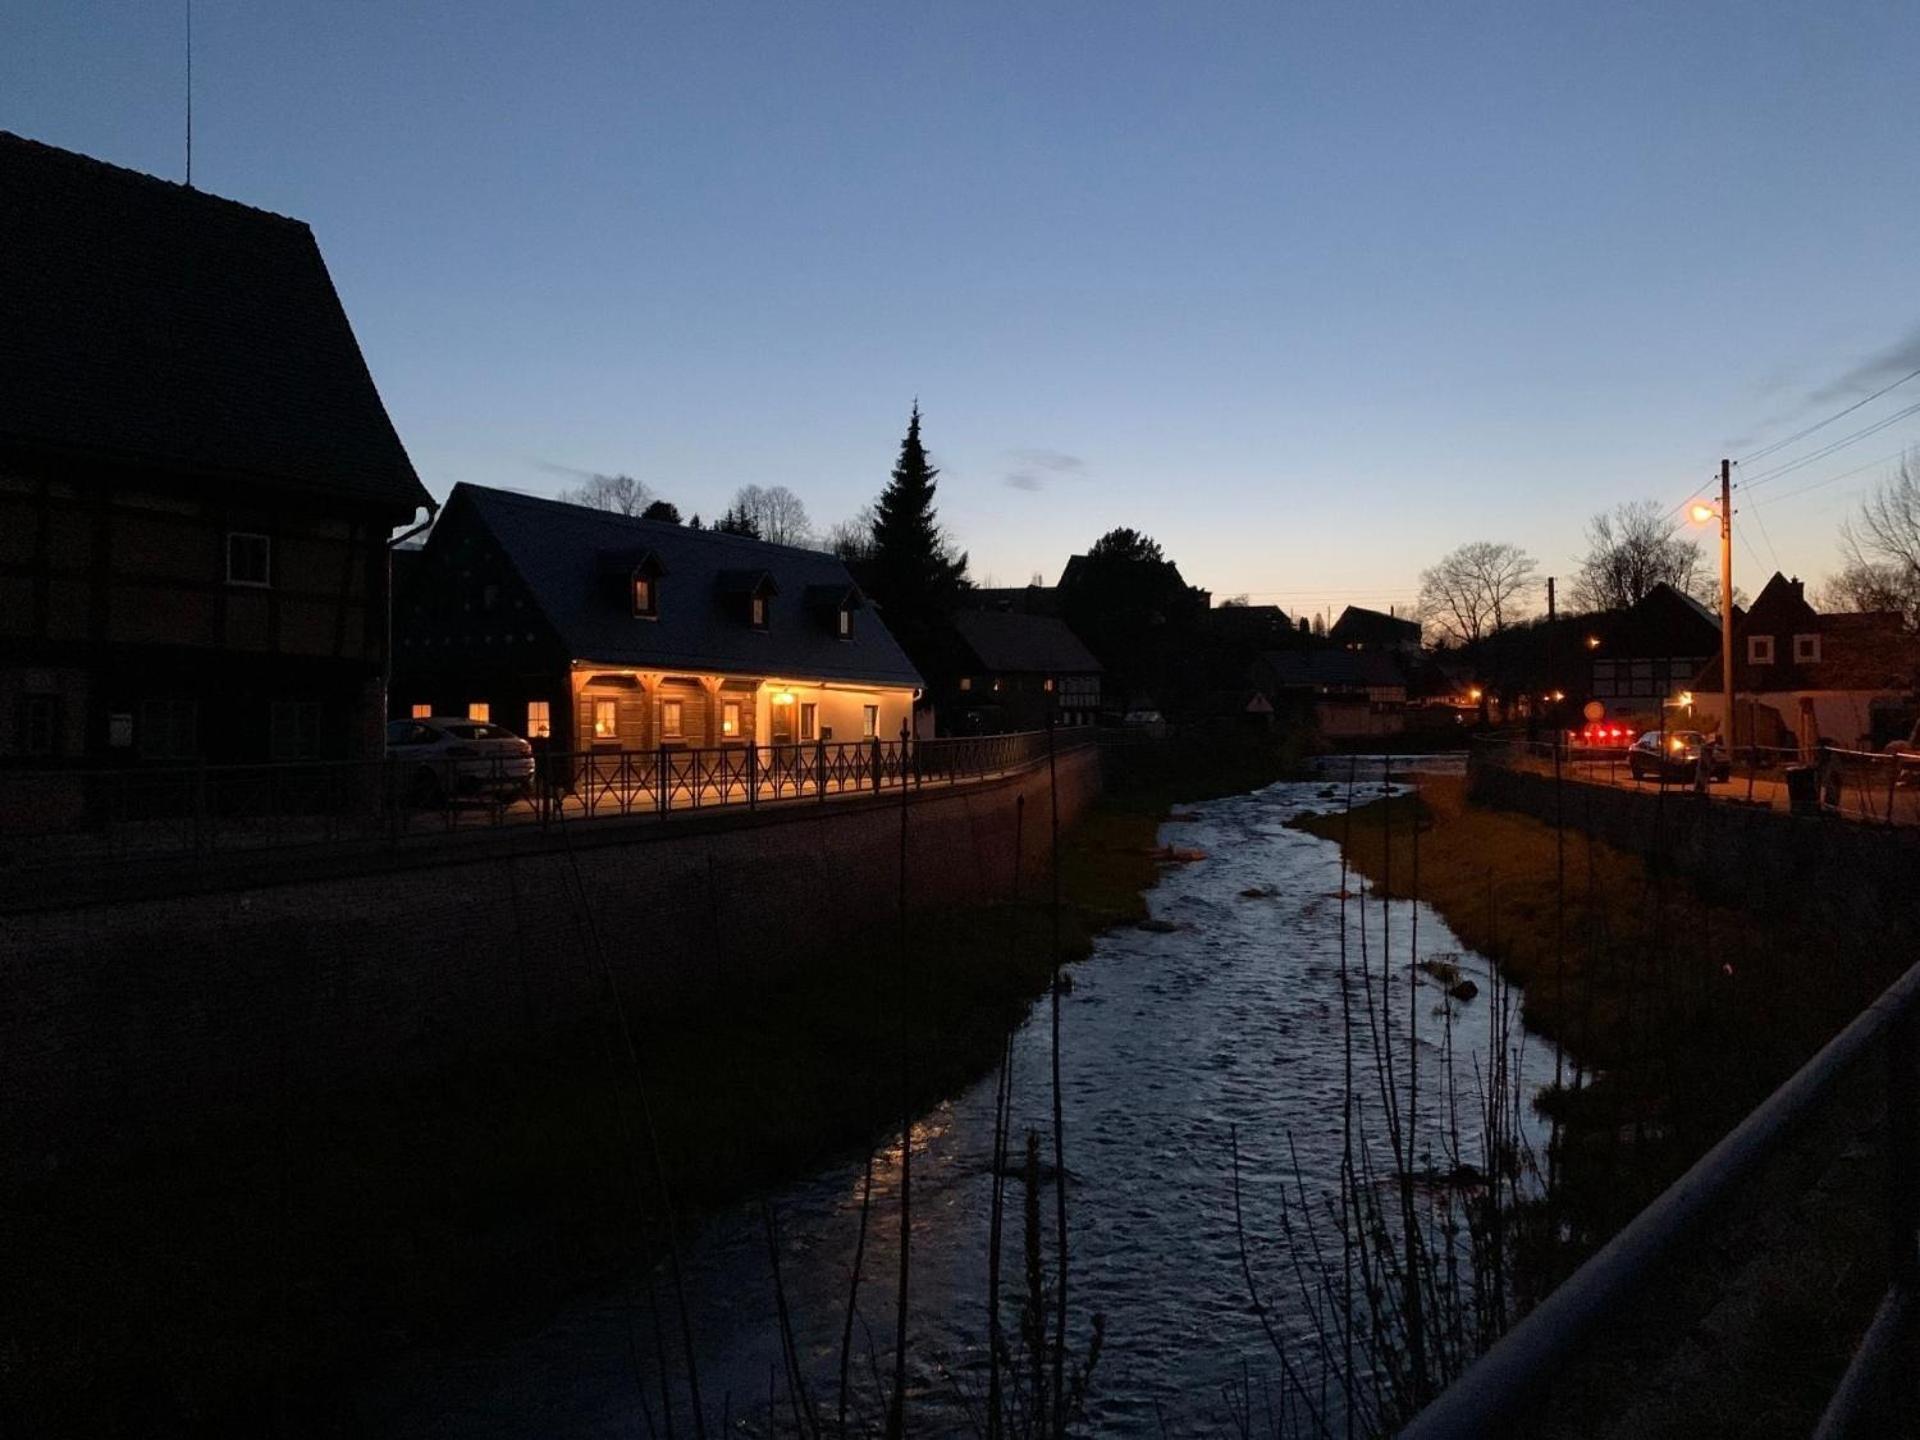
(189, 94)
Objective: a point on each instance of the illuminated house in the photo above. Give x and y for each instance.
(197, 479)
(590, 631)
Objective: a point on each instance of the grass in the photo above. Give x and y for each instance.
(226, 1282)
(1677, 1017)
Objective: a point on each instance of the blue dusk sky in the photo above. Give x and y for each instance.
(1311, 293)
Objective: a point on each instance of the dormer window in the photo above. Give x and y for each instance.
(1760, 649)
(846, 624)
(646, 596)
(759, 612)
(1806, 649)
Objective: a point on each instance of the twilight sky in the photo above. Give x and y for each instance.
(1309, 292)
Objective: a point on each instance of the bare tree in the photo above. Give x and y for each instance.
(776, 512)
(1631, 549)
(1476, 590)
(853, 539)
(622, 494)
(1881, 545)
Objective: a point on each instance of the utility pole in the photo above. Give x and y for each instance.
(1726, 598)
(1553, 677)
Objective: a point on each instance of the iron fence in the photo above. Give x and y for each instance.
(63, 817)
(1873, 787)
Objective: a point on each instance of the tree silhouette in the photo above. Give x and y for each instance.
(662, 510)
(622, 494)
(913, 570)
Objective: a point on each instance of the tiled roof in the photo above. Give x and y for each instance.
(556, 550)
(145, 323)
(1012, 643)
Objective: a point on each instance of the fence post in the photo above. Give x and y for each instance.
(663, 780)
(820, 768)
(875, 753)
(753, 773)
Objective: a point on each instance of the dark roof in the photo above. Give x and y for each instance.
(1022, 599)
(1333, 669)
(153, 325)
(1010, 643)
(552, 546)
(1359, 625)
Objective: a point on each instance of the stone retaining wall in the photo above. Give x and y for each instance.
(122, 1017)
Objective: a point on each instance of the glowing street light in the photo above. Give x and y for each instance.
(1702, 513)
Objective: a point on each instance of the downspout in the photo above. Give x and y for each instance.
(386, 658)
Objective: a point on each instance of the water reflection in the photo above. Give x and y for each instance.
(1228, 1022)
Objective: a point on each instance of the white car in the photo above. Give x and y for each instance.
(447, 757)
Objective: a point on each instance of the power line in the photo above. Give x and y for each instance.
(1840, 444)
(1843, 475)
(1821, 424)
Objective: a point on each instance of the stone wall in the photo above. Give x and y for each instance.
(1859, 878)
(122, 1017)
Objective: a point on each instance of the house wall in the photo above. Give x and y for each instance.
(839, 708)
(122, 1018)
(114, 601)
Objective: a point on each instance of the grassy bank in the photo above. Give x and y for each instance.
(1677, 1017)
(226, 1282)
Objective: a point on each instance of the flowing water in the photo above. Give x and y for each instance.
(1176, 1042)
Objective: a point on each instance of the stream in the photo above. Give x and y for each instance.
(1221, 1024)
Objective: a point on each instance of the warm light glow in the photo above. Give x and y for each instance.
(1686, 698)
(1558, 696)
(783, 697)
(1703, 513)
(1676, 744)
(606, 720)
(1593, 642)
(1474, 694)
(539, 720)
(730, 718)
(480, 710)
(421, 712)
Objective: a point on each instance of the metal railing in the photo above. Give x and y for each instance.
(1496, 1390)
(51, 818)
(1877, 788)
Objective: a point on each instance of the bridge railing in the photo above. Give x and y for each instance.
(1494, 1394)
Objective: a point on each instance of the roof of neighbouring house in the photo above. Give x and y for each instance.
(1359, 624)
(1008, 642)
(154, 325)
(1333, 669)
(559, 549)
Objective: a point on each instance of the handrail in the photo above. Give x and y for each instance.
(1501, 1382)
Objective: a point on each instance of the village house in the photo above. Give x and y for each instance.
(1349, 693)
(585, 630)
(197, 479)
(1013, 671)
(1802, 677)
(1642, 659)
(1359, 628)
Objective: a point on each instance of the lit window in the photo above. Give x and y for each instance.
(480, 710)
(421, 712)
(1047, 685)
(539, 720)
(809, 720)
(760, 612)
(606, 720)
(966, 682)
(643, 597)
(1806, 649)
(249, 559)
(730, 718)
(846, 623)
(1760, 649)
(870, 720)
(671, 712)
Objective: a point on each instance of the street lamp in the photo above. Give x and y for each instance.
(1702, 513)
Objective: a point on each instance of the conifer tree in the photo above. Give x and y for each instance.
(913, 570)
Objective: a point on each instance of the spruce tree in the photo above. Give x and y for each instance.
(913, 570)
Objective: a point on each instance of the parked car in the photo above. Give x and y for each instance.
(448, 758)
(1675, 755)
